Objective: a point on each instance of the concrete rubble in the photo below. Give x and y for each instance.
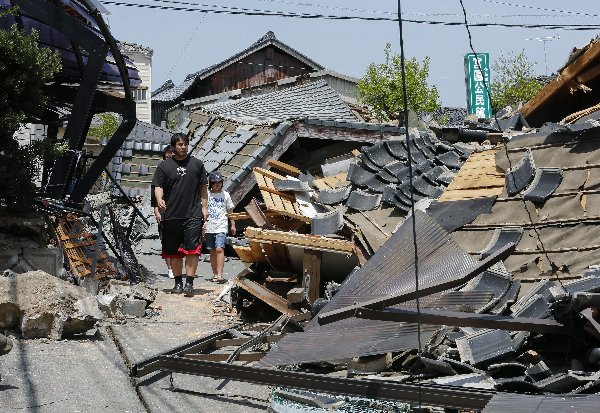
(37, 304)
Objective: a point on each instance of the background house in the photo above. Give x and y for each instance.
(142, 58)
(265, 61)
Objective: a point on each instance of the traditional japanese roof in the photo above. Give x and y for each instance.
(173, 93)
(314, 99)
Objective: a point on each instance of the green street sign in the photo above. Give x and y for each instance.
(477, 70)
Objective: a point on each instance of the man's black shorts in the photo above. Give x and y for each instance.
(181, 237)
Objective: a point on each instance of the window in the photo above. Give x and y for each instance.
(139, 95)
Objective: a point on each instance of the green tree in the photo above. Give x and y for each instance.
(107, 126)
(381, 87)
(24, 69)
(515, 82)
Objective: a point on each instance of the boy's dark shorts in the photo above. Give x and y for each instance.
(181, 237)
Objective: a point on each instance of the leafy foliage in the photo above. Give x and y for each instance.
(381, 87)
(109, 123)
(514, 82)
(24, 69)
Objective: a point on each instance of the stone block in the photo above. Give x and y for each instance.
(40, 325)
(107, 303)
(10, 315)
(120, 288)
(144, 292)
(133, 307)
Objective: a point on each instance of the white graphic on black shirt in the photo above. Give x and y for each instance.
(180, 171)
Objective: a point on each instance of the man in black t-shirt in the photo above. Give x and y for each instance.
(181, 191)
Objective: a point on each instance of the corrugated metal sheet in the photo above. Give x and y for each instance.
(390, 271)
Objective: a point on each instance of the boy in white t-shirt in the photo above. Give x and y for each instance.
(217, 225)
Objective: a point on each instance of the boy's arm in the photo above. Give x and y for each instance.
(229, 212)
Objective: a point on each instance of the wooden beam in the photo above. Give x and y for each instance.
(307, 241)
(267, 296)
(284, 167)
(461, 319)
(561, 80)
(311, 270)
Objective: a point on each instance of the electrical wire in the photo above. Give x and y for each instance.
(412, 198)
(553, 267)
(170, 5)
(509, 16)
(524, 6)
(194, 32)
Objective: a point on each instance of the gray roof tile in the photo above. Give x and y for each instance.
(315, 99)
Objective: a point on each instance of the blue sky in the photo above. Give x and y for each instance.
(187, 41)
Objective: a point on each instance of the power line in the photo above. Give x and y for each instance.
(508, 16)
(524, 6)
(268, 13)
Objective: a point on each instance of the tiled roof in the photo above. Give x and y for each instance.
(268, 39)
(564, 220)
(147, 132)
(133, 164)
(314, 99)
(162, 88)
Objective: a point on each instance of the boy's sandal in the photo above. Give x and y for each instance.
(219, 280)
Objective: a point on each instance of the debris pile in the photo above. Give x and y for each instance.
(36, 304)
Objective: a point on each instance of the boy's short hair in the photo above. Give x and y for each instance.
(179, 137)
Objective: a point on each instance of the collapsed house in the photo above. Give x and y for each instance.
(479, 294)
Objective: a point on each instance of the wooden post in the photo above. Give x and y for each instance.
(311, 274)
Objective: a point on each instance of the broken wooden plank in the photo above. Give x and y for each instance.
(284, 167)
(257, 252)
(267, 296)
(311, 279)
(307, 241)
(563, 78)
(275, 255)
(257, 215)
(244, 253)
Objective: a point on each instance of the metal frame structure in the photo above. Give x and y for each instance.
(184, 359)
(86, 99)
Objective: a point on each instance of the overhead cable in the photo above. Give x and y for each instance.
(268, 13)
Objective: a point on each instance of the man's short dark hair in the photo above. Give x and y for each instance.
(179, 137)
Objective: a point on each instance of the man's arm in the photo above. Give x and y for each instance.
(160, 202)
(204, 197)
